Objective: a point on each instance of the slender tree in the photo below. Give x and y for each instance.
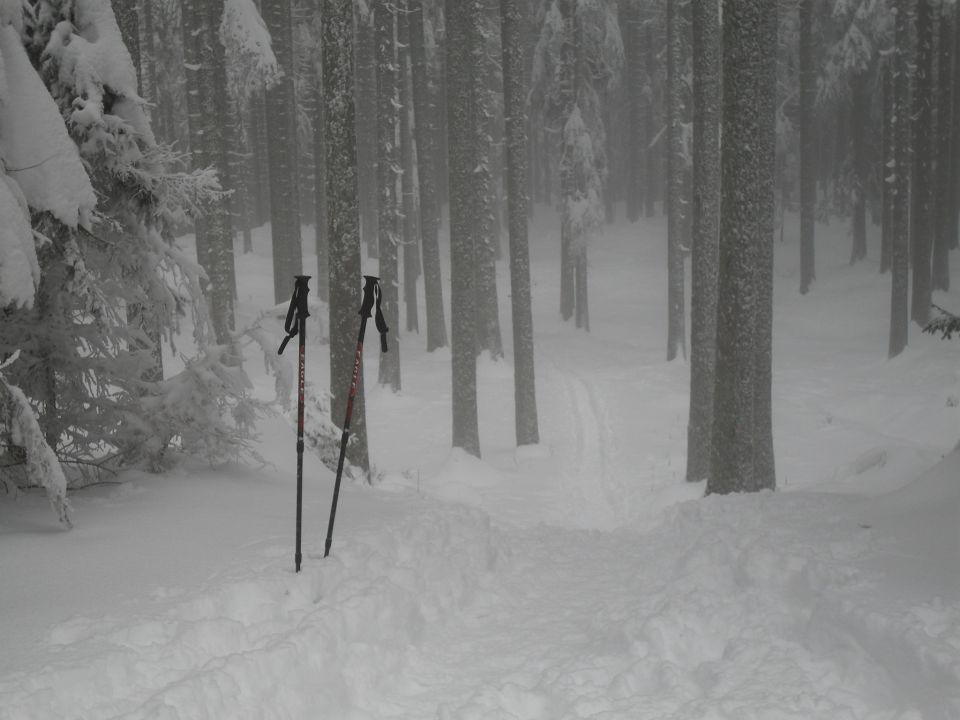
(281, 127)
(808, 143)
(515, 121)
(946, 204)
(676, 333)
(747, 178)
(343, 218)
(923, 190)
(706, 213)
(426, 130)
(411, 214)
(388, 177)
(899, 187)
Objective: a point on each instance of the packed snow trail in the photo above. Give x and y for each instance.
(729, 611)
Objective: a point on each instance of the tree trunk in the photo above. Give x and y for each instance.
(366, 99)
(946, 205)
(464, 218)
(764, 471)
(282, 154)
(900, 184)
(320, 186)
(922, 196)
(676, 333)
(388, 178)
(707, 66)
(809, 139)
(426, 130)
(651, 164)
(859, 115)
(888, 165)
(343, 220)
(746, 179)
(411, 246)
(515, 121)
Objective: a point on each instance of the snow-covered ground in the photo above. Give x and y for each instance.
(582, 578)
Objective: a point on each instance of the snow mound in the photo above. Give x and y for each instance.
(269, 643)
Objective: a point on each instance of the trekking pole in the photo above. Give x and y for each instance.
(296, 324)
(371, 297)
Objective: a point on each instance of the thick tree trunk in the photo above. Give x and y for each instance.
(707, 80)
(426, 131)
(747, 178)
(465, 205)
(650, 161)
(343, 220)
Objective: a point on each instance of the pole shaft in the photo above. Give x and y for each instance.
(354, 382)
(300, 383)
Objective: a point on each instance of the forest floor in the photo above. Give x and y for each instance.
(580, 578)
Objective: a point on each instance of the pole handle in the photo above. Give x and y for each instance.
(297, 310)
(372, 297)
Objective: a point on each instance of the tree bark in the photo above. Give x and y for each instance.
(900, 183)
(426, 130)
(343, 220)
(388, 178)
(465, 205)
(922, 195)
(707, 64)
(746, 179)
(676, 332)
(282, 154)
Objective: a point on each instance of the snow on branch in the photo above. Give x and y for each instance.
(250, 58)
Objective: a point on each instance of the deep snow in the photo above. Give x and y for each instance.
(582, 578)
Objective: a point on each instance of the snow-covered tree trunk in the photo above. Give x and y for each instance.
(388, 178)
(900, 182)
(707, 51)
(465, 207)
(281, 123)
(809, 141)
(953, 208)
(515, 121)
(343, 219)
(567, 101)
(676, 332)
(746, 178)
(426, 130)
(411, 245)
(923, 212)
(128, 20)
